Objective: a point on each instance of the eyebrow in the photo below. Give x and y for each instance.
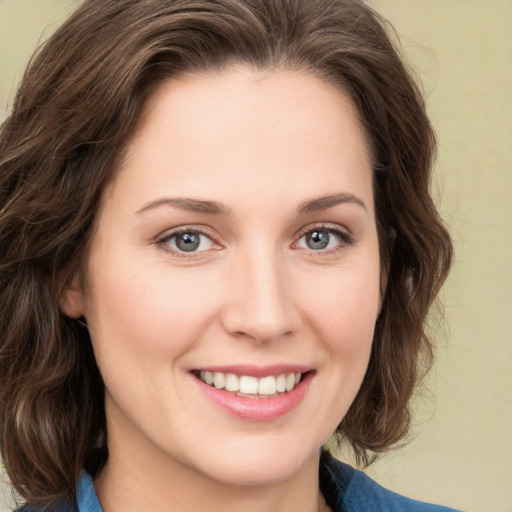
(325, 202)
(216, 208)
(192, 205)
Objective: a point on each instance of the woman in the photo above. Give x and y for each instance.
(218, 248)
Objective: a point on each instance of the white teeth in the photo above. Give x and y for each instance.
(281, 383)
(290, 381)
(267, 386)
(249, 385)
(219, 380)
(232, 382)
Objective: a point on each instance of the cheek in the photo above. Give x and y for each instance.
(148, 310)
(343, 312)
(347, 299)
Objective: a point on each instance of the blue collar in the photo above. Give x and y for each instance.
(86, 497)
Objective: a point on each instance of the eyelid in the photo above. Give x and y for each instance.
(346, 237)
(162, 239)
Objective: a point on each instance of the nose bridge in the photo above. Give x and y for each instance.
(261, 304)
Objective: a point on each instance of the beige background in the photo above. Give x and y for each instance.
(462, 50)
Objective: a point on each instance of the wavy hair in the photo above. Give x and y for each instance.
(78, 104)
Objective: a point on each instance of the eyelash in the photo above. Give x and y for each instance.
(345, 239)
(164, 240)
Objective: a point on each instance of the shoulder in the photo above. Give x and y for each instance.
(366, 493)
(354, 491)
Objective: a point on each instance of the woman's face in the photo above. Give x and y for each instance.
(236, 245)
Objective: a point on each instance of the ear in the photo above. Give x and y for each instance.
(72, 298)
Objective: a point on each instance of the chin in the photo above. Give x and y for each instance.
(256, 464)
(258, 473)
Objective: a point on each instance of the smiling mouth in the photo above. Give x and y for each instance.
(248, 386)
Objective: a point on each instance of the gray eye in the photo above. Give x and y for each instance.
(321, 239)
(189, 241)
(317, 239)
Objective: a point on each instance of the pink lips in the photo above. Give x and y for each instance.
(260, 408)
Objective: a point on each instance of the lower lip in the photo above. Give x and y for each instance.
(257, 409)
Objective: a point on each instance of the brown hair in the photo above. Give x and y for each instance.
(78, 104)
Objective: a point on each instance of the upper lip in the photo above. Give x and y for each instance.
(254, 370)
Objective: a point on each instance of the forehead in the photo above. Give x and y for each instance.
(258, 132)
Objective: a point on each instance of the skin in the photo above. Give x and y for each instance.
(262, 144)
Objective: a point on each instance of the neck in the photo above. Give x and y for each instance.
(142, 475)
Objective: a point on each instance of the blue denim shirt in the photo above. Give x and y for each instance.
(344, 488)
(86, 497)
(348, 490)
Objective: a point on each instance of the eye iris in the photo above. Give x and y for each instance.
(317, 239)
(188, 242)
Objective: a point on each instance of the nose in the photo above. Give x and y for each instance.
(260, 305)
